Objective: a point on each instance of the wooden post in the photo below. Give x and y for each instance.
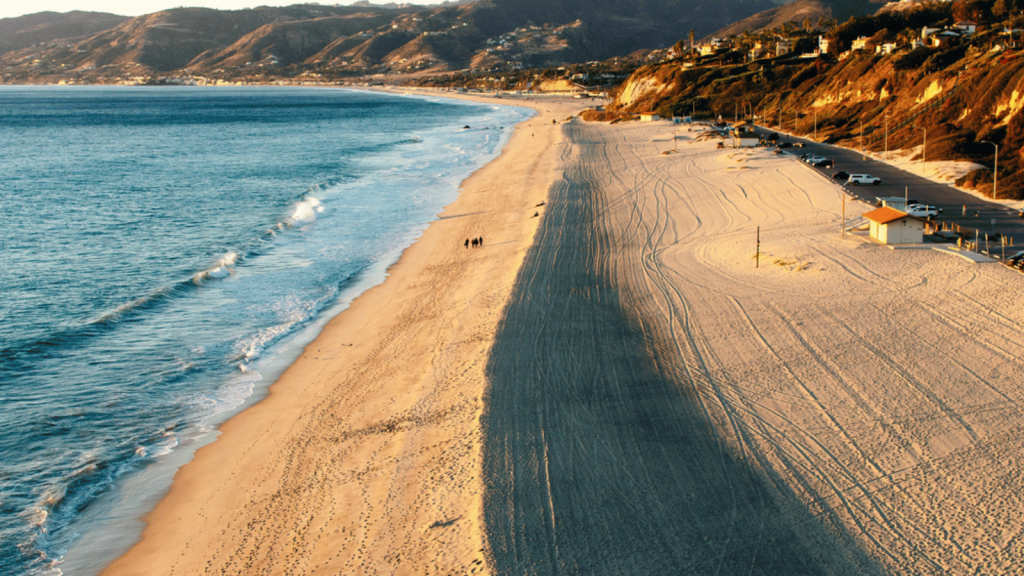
(757, 255)
(842, 223)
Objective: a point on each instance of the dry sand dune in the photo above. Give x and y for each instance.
(659, 405)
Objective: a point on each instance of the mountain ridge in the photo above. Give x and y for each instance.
(366, 39)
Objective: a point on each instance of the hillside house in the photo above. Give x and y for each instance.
(822, 45)
(887, 48)
(783, 47)
(966, 27)
(926, 32)
(706, 49)
(943, 38)
(891, 226)
(860, 43)
(758, 51)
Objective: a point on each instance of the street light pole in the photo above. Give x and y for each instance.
(815, 124)
(924, 149)
(995, 168)
(886, 135)
(863, 153)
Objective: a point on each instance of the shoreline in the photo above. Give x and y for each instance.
(358, 377)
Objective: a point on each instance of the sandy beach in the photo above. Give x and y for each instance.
(613, 387)
(660, 404)
(365, 456)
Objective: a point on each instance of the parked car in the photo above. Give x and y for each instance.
(1015, 259)
(823, 163)
(841, 176)
(784, 145)
(798, 144)
(923, 211)
(866, 179)
(812, 158)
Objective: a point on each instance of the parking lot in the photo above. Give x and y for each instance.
(959, 208)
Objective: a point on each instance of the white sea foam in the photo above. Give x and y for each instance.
(306, 211)
(220, 270)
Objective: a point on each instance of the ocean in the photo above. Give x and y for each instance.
(166, 253)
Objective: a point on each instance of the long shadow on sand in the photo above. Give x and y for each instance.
(596, 461)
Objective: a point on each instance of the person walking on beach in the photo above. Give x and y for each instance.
(474, 242)
(467, 243)
(480, 241)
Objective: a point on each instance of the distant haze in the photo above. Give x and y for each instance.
(139, 7)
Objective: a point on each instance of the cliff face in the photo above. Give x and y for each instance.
(961, 94)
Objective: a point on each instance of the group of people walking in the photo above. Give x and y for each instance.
(475, 242)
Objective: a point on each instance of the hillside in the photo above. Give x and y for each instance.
(25, 31)
(962, 92)
(313, 41)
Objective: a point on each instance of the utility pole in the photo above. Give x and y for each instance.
(886, 135)
(924, 150)
(995, 168)
(863, 154)
(815, 124)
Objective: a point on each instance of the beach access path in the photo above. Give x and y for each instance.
(659, 404)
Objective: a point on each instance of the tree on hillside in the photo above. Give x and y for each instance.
(975, 10)
(1007, 7)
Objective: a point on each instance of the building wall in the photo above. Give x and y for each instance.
(899, 232)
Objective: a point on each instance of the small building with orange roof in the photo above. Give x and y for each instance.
(891, 226)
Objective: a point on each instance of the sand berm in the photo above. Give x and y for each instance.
(613, 387)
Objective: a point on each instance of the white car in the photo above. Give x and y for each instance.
(866, 179)
(923, 211)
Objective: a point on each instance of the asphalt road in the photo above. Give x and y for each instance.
(991, 217)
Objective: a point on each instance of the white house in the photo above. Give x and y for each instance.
(926, 32)
(757, 51)
(891, 226)
(887, 48)
(823, 44)
(966, 26)
(783, 47)
(860, 43)
(649, 117)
